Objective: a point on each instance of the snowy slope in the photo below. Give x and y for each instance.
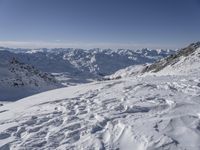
(149, 112)
(18, 80)
(185, 65)
(186, 61)
(143, 112)
(126, 72)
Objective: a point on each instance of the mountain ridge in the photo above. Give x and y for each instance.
(18, 80)
(145, 112)
(81, 65)
(179, 63)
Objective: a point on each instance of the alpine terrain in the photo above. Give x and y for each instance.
(18, 80)
(142, 107)
(24, 72)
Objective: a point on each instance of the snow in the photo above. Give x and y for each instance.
(151, 112)
(82, 66)
(138, 110)
(68, 66)
(18, 80)
(129, 71)
(185, 66)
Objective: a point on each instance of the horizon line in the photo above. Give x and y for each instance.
(83, 45)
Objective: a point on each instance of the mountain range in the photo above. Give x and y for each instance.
(25, 72)
(144, 107)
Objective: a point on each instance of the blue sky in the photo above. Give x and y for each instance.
(99, 23)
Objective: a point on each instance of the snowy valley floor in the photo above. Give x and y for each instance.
(135, 113)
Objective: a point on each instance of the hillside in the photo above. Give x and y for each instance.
(184, 62)
(144, 112)
(18, 80)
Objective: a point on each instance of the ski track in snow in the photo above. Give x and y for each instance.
(140, 113)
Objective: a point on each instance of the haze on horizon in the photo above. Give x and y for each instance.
(102, 24)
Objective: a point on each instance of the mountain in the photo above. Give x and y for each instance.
(74, 66)
(184, 61)
(18, 80)
(148, 111)
(36, 70)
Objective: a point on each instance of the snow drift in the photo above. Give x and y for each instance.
(148, 112)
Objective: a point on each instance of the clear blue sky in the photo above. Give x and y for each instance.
(99, 23)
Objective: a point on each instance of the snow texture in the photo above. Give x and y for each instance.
(142, 111)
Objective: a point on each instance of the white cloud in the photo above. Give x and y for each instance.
(60, 44)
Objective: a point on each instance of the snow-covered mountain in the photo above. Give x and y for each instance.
(152, 111)
(69, 66)
(73, 66)
(18, 80)
(183, 62)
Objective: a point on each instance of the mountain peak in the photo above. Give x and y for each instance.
(195, 45)
(188, 56)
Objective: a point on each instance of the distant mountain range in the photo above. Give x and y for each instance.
(147, 107)
(39, 70)
(80, 65)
